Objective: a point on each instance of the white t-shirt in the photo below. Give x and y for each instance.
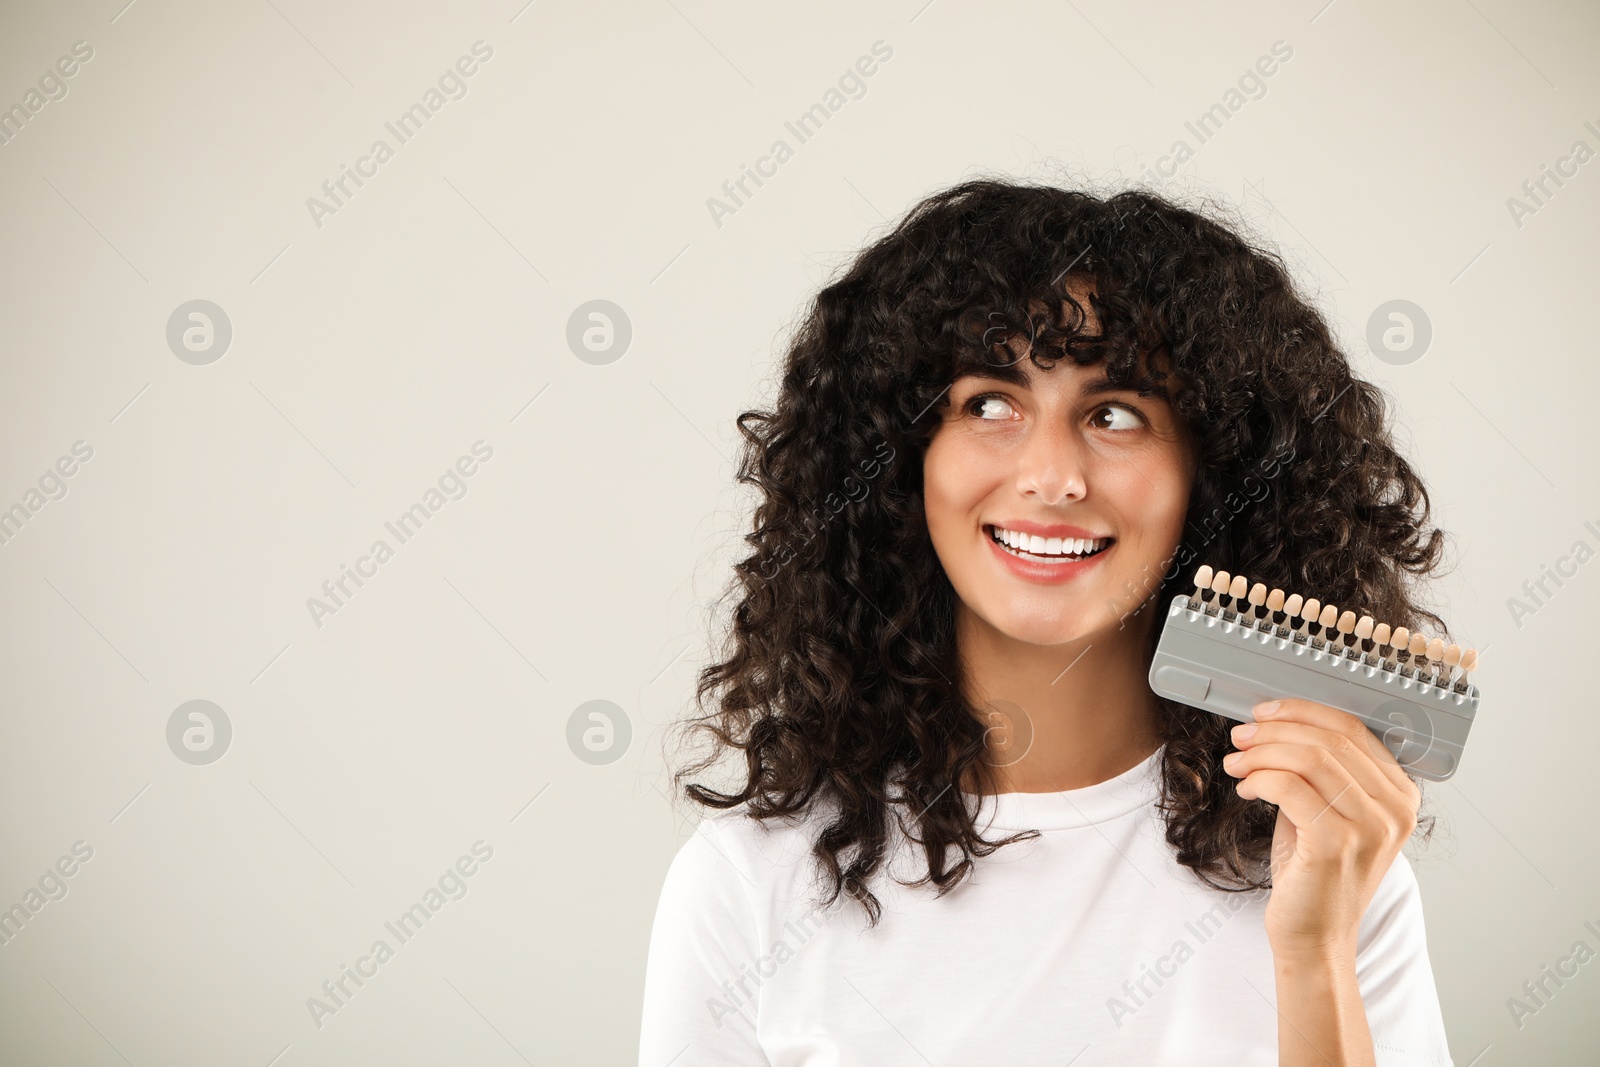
(1089, 945)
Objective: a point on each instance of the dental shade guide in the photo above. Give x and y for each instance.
(1229, 646)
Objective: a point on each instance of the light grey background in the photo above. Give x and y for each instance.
(431, 311)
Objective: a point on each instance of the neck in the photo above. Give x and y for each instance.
(1086, 709)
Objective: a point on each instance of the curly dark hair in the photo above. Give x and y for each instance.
(840, 677)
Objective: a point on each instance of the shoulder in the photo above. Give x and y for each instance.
(706, 936)
(728, 884)
(736, 858)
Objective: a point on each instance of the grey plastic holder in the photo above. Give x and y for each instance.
(1224, 663)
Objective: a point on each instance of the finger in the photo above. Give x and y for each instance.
(1313, 713)
(1356, 759)
(1336, 787)
(1298, 801)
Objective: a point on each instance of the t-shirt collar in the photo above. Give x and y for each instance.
(1072, 808)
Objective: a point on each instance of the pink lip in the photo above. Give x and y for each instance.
(1035, 529)
(1045, 573)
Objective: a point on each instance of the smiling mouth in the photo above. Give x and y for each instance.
(1048, 550)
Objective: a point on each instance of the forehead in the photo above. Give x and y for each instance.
(1089, 379)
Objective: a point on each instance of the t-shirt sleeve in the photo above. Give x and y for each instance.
(1396, 978)
(699, 1005)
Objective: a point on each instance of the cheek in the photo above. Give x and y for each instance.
(1151, 494)
(955, 480)
(945, 477)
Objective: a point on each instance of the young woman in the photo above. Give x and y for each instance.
(960, 827)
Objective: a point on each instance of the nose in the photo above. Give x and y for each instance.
(1051, 465)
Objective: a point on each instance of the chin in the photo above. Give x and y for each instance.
(1052, 630)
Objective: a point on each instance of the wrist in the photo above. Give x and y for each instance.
(1326, 956)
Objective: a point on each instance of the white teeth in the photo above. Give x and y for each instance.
(1053, 546)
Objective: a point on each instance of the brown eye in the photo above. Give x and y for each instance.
(1123, 417)
(989, 407)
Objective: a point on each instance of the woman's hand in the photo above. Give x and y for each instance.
(1345, 808)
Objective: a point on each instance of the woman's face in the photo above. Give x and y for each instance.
(1061, 460)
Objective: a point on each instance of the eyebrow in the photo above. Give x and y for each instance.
(1143, 385)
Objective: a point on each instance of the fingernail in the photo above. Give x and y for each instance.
(1244, 731)
(1231, 759)
(1267, 710)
